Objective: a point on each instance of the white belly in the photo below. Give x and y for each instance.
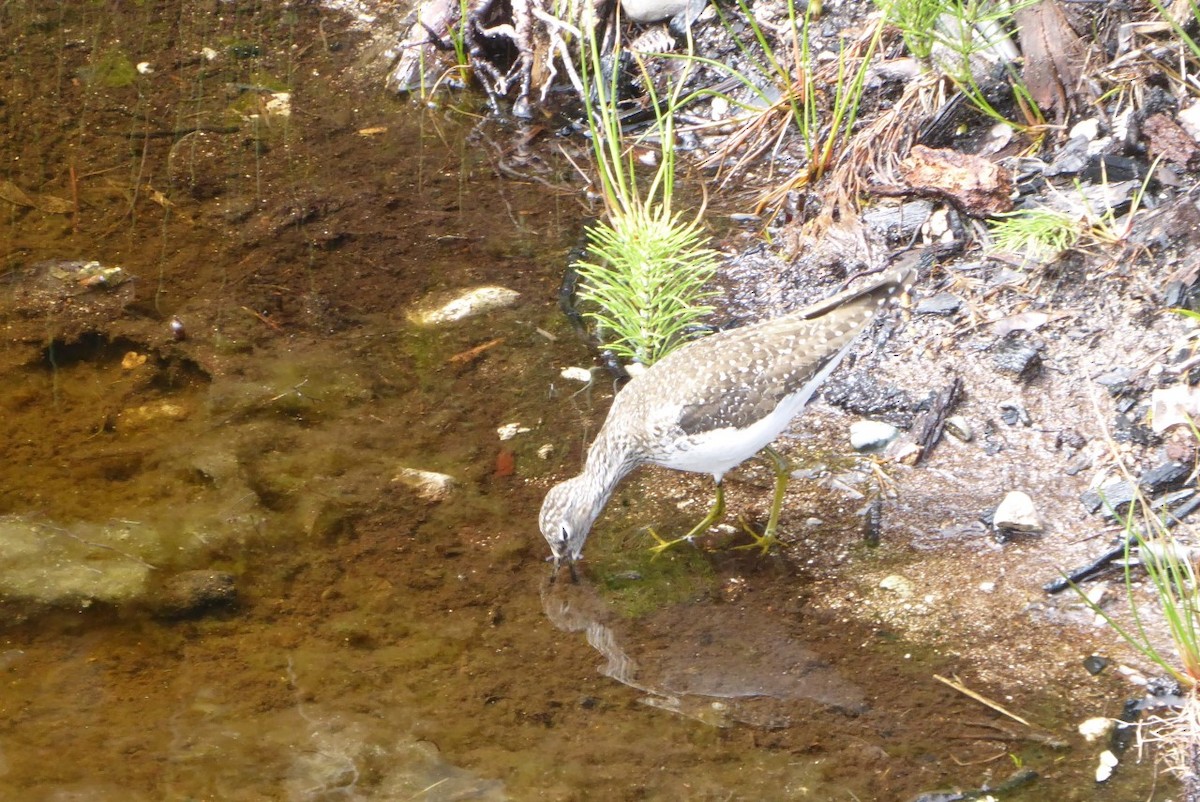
(719, 450)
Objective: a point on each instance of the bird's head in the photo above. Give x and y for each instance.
(567, 517)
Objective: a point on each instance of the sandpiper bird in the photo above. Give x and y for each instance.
(712, 404)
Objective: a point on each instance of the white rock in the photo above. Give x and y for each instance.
(280, 104)
(577, 375)
(872, 436)
(510, 430)
(960, 427)
(898, 585)
(429, 485)
(1095, 728)
(470, 302)
(545, 450)
(987, 587)
(144, 68)
(1088, 129)
(1017, 513)
(1108, 762)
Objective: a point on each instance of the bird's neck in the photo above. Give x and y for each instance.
(608, 461)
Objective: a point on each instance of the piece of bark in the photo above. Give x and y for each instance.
(1166, 138)
(1054, 57)
(974, 184)
(927, 430)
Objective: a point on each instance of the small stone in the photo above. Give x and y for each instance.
(470, 302)
(545, 450)
(577, 374)
(1094, 664)
(944, 303)
(194, 593)
(1095, 728)
(1018, 358)
(510, 430)
(868, 436)
(1017, 513)
(960, 427)
(897, 584)
(1013, 413)
(1079, 466)
(1108, 762)
(429, 485)
(1165, 476)
(1116, 381)
(987, 587)
(1112, 498)
(1069, 438)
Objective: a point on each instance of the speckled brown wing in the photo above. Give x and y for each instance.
(750, 371)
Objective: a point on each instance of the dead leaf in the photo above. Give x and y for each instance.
(15, 195)
(158, 197)
(375, 131)
(52, 205)
(1166, 138)
(44, 203)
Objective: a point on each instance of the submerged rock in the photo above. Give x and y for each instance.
(467, 304)
(71, 564)
(430, 485)
(193, 593)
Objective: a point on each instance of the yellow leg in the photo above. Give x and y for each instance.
(715, 514)
(767, 539)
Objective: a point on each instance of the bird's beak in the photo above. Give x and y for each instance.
(559, 559)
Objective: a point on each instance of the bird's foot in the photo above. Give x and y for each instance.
(664, 545)
(764, 542)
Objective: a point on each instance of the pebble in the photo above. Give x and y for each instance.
(1113, 497)
(1094, 664)
(1165, 476)
(577, 374)
(868, 436)
(1017, 513)
(960, 427)
(898, 585)
(193, 593)
(1116, 381)
(1095, 728)
(944, 303)
(429, 485)
(1108, 762)
(469, 303)
(510, 430)
(1013, 413)
(1018, 358)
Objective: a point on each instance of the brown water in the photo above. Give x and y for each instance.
(383, 646)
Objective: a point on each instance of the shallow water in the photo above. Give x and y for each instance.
(383, 645)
